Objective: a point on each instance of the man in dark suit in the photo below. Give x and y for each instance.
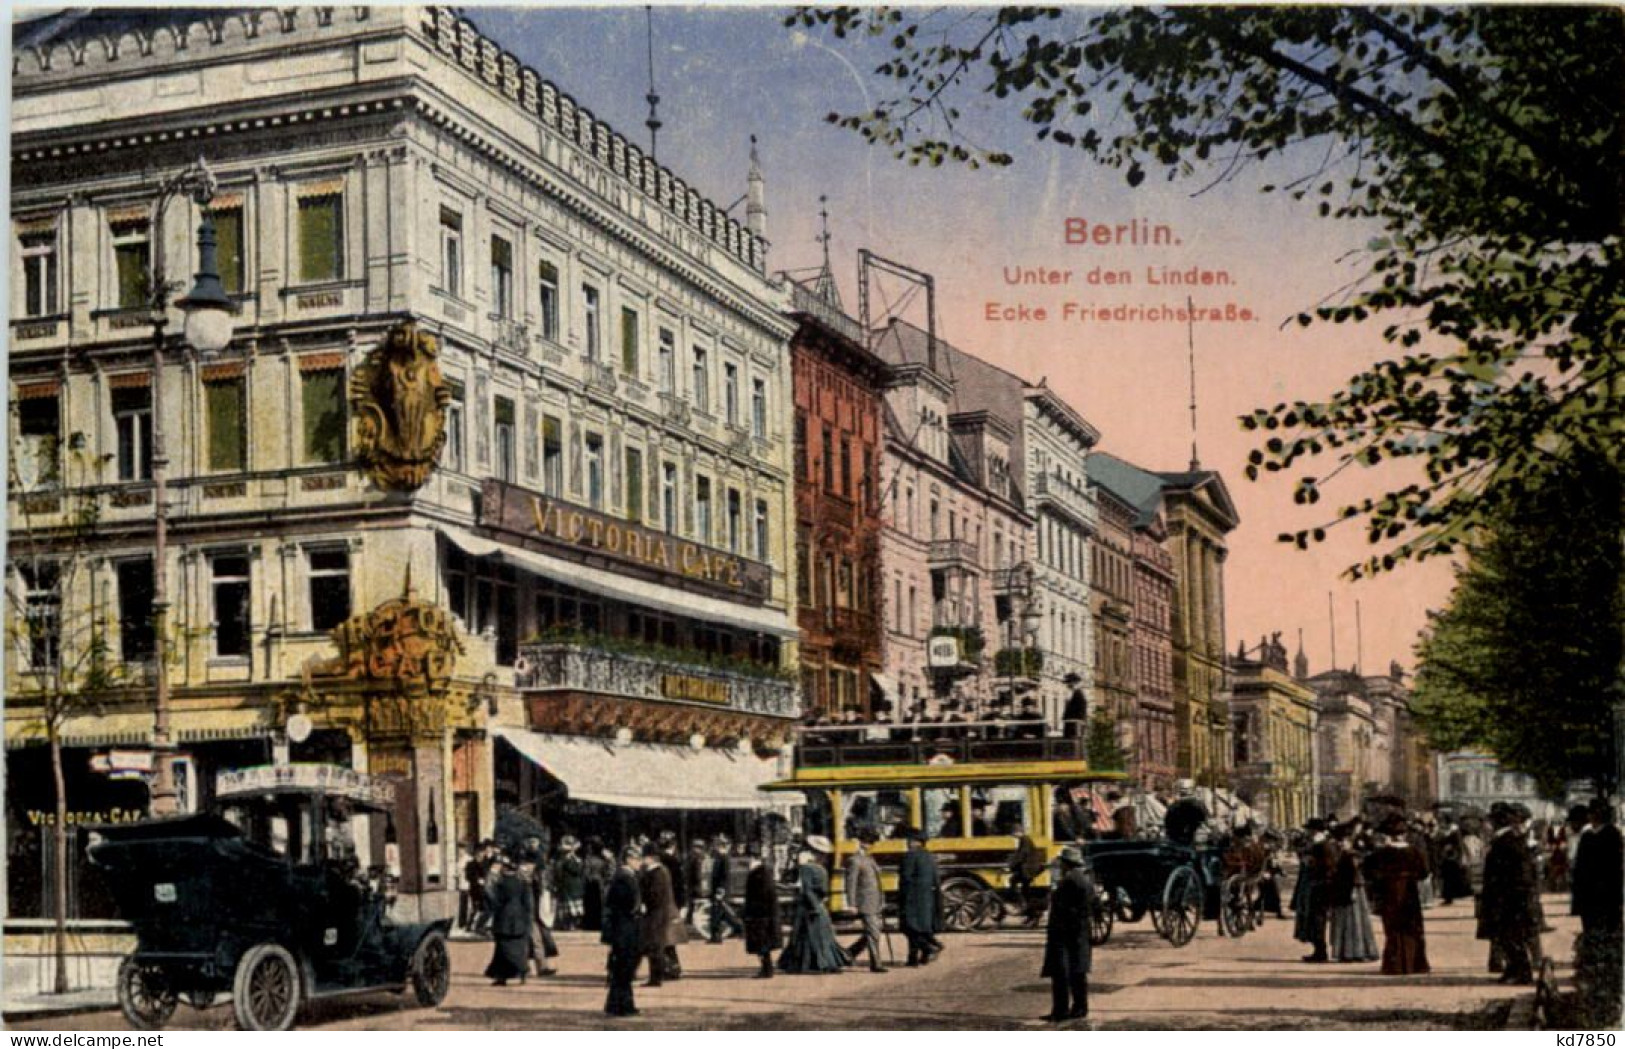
(716, 888)
(660, 913)
(863, 895)
(1599, 868)
(919, 900)
(621, 932)
(763, 932)
(1505, 916)
(1325, 853)
(1067, 949)
(680, 893)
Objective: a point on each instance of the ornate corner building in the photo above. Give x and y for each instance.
(492, 485)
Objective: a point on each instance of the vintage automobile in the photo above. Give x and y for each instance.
(262, 898)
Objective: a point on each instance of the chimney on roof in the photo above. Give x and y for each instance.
(755, 195)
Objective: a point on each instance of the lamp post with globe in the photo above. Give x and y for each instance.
(209, 322)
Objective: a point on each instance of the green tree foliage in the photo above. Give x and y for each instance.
(1522, 662)
(1483, 142)
(1105, 753)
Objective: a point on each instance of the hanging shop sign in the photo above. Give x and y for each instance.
(942, 652)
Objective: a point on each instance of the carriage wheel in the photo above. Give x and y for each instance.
(431, 970)
(144, 995)
(1181, 907)
(1100, 918)
(963, 905)
(265, 992)
(1234, 917)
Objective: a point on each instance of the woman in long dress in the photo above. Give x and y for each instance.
(512, 912)
(1394, 871)
(812, 947)
(1351, 937)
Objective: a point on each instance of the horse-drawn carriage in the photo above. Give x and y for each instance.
(262, 898)
(1174, 880)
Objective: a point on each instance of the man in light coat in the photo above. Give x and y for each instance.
(864, 896)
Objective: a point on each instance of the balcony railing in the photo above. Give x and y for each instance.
(947, 553)
(575, 667)
(921, 744)
(600, 376)
(1068, 496)
(1017, 580)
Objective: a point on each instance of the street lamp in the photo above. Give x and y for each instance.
(208, 329)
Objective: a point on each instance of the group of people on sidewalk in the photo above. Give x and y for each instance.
(1349, 874)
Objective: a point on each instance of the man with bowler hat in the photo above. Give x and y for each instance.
(919, 900)
(1067, 950)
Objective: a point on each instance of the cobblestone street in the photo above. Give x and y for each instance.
(982, 981)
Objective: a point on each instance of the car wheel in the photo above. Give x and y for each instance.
(431, 970)
(144, 995)
(265, 993)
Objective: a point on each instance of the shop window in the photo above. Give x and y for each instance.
(322, 398)
(132, 423)
(226, 402)
(329, 588)
(321, 237)
(231, 590)
(135, 597)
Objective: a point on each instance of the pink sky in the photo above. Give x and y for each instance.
(726, 74)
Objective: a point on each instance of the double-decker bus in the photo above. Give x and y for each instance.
(974, 788)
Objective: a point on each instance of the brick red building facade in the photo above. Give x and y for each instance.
(837, 479)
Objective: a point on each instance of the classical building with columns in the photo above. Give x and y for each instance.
(491, 486)
(1199, 515)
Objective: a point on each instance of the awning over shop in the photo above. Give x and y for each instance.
(626, 588)
(651, 775)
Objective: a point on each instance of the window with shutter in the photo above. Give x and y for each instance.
(321, 238)
(323, 403)
(228, 445)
